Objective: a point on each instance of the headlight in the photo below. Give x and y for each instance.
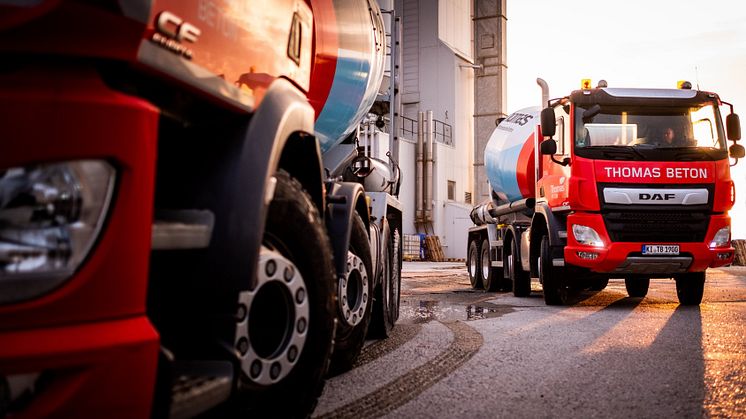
(587, 236)
(722, 237)
(50, 216)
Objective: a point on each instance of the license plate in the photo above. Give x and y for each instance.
(660, 249)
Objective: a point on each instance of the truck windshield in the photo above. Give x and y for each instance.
(695, 128)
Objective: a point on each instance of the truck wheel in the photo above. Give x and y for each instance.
(556, 291)
(637, 286)
(354, 294)
(386, 304)
(598, 284)
(521, 279)
(472, 265)
(490, 276)
(690, 287)
(285, 336)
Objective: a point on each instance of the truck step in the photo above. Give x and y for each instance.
(182, 229)
(199, 386)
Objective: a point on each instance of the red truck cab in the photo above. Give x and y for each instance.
(639, 182)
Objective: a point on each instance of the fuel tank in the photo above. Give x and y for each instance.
(348, 63)
(509, 156)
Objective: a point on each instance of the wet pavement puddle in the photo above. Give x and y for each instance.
(425, 310)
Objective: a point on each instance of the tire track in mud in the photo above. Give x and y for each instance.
(466, 342)
(401, 334)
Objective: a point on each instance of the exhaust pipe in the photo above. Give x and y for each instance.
(544, 92)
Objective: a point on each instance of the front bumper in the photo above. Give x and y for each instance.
(92, 370)
(84, 349)
(627, 257)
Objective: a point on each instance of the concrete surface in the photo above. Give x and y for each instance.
(460, 352)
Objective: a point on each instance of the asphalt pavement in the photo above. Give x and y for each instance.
(458, 352)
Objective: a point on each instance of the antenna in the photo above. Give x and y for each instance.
(696, 74)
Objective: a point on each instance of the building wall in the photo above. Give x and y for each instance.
(437, 75)
(491, 82)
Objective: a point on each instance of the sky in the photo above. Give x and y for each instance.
(631, 43)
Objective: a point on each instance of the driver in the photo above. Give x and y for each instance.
(669, 136)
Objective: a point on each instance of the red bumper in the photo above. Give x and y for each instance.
(89, 340)
(612, 257)
(93, 370)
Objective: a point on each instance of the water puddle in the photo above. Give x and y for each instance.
(423, 311)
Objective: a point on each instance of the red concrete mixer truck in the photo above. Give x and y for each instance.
(186, 220)
(628, 183)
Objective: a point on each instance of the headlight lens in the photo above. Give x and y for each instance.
(50, 216)
(722, 237)
(587, 236)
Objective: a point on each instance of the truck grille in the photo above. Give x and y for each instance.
(650, 226)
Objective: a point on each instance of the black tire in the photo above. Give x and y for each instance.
(637, 286)
(552, 279)
(690, 288)
(521, 279)
(472, 265)
(598, 284)
(491, 277)
(294, 228)
(386, 304)
(349, 339)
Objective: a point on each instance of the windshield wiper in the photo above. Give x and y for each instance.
(618, 152)
(688, 153)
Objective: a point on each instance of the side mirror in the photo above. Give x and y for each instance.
(732, 125)
(548, 147)
(548, 123)
(737, 151)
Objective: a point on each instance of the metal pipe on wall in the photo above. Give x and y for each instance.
(418, 189)
(429, 140)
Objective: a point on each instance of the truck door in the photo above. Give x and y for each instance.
(554, 176)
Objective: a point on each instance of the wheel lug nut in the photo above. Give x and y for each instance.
(300, 296)
(292, 354)
(256, 369)
(289, 273)
(301, 325)
(243, 346)
(275, 370)
(270, 268)
(241, 312)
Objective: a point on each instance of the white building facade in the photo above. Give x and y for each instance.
(438, 74)
(439, 66)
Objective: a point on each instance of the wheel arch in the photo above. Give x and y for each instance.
(344, 200)
(545, 221)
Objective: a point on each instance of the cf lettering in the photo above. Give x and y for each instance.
(174, 27)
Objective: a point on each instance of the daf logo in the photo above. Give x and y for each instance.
(656, 196)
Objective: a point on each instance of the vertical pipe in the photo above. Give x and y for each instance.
(544, 92)
(429, 139)
(537, 137)
(393, 94)
(418, 169)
